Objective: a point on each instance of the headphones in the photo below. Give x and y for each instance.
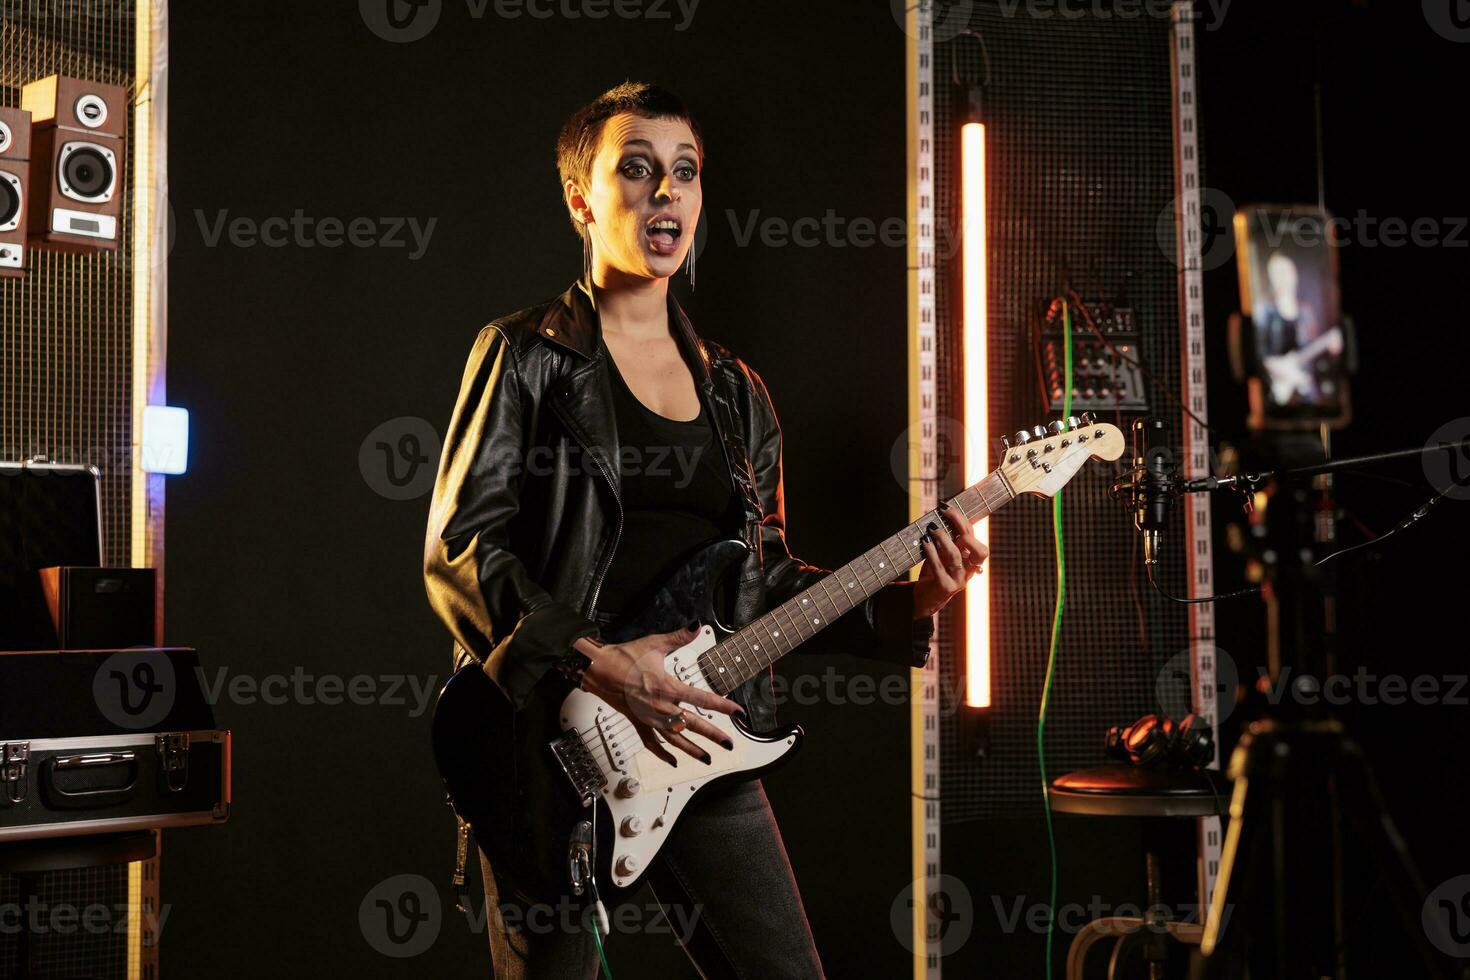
(1157, 740)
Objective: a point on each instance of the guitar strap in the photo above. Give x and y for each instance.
(461, 860)
(723, 395)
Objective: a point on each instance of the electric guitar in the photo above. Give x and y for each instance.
(564, 788)
(1289, 374)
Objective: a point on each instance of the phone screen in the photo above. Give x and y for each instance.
(1296, 344)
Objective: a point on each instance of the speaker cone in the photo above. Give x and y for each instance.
(9, 203)
(87, 172)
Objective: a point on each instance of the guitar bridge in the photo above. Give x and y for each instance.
(586, 775)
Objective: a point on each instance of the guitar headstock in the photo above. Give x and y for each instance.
(1042, 460)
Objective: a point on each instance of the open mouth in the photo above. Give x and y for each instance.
(663, 234)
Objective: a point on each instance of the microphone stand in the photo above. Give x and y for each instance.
(1254, 481)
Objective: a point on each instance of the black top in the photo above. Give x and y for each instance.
(677, 495)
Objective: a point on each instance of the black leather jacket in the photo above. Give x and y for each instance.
(526, 514)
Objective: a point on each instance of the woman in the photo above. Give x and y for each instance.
(552, 516)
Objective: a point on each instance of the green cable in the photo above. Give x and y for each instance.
(597, 938)
(1051, 657)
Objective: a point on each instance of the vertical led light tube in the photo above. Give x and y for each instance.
(976, 396)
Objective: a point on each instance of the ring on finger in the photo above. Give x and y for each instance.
(676, 722)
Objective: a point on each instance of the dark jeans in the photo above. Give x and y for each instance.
(723, 884)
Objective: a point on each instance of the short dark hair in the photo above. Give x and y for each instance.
(576, 145)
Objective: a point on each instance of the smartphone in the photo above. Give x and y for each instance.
(1293, 343)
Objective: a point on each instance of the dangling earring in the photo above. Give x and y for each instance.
(587, 258)
(689, 266)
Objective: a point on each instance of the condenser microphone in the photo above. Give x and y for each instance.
(1153, 483)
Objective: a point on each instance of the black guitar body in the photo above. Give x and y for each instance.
(502, 776)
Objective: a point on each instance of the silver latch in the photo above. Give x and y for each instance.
(173, 749)
(14, 760)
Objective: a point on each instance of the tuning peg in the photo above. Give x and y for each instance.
(1005, 442)
(1073, 423)
(1038, 432)
(1022, 437)
(1088, 418)
(1057, 428)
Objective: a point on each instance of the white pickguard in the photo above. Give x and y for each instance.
(643, 818)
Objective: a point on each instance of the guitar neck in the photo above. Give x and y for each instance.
(757, 645)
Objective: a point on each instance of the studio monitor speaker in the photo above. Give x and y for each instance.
(15, 155)
(78, 130)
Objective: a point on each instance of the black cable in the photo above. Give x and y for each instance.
(1205, 598)
(1414, 517)
(1418, 514)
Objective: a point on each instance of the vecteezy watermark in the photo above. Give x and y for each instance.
(135, 688)
(833, 230)
(411, 691)
(401, 916)
(1361, 230)
(1211, 13)
(624, 918)
(305, 231)
(1446, 916)
(1363, 687)
(833, 687)
(1364, 230)
(947, 18)
(1448, 469)
(1450, 19)
(1174, 687)
(398, 458)
(1016, 914)
(402, 21)
(37, 917)
(912, 464)
(1213, 215)
(949, 915)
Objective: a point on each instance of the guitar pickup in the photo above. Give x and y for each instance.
(576, 761)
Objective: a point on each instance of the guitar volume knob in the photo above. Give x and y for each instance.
(628, 787)
(627, 865)
(632, 826)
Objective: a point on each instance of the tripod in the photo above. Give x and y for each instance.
(1267, 765)
(1289, 763)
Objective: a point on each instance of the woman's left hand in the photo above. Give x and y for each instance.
(952, 554)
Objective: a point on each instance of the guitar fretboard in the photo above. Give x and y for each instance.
(757, 645)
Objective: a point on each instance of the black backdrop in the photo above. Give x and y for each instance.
(284, 553)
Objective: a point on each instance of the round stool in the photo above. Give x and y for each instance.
(1123, 790)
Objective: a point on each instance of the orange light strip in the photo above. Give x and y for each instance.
(976, 397)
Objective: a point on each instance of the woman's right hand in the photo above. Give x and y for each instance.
(631, 677)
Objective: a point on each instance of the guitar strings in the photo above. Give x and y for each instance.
(594, 740)
(620, 727)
